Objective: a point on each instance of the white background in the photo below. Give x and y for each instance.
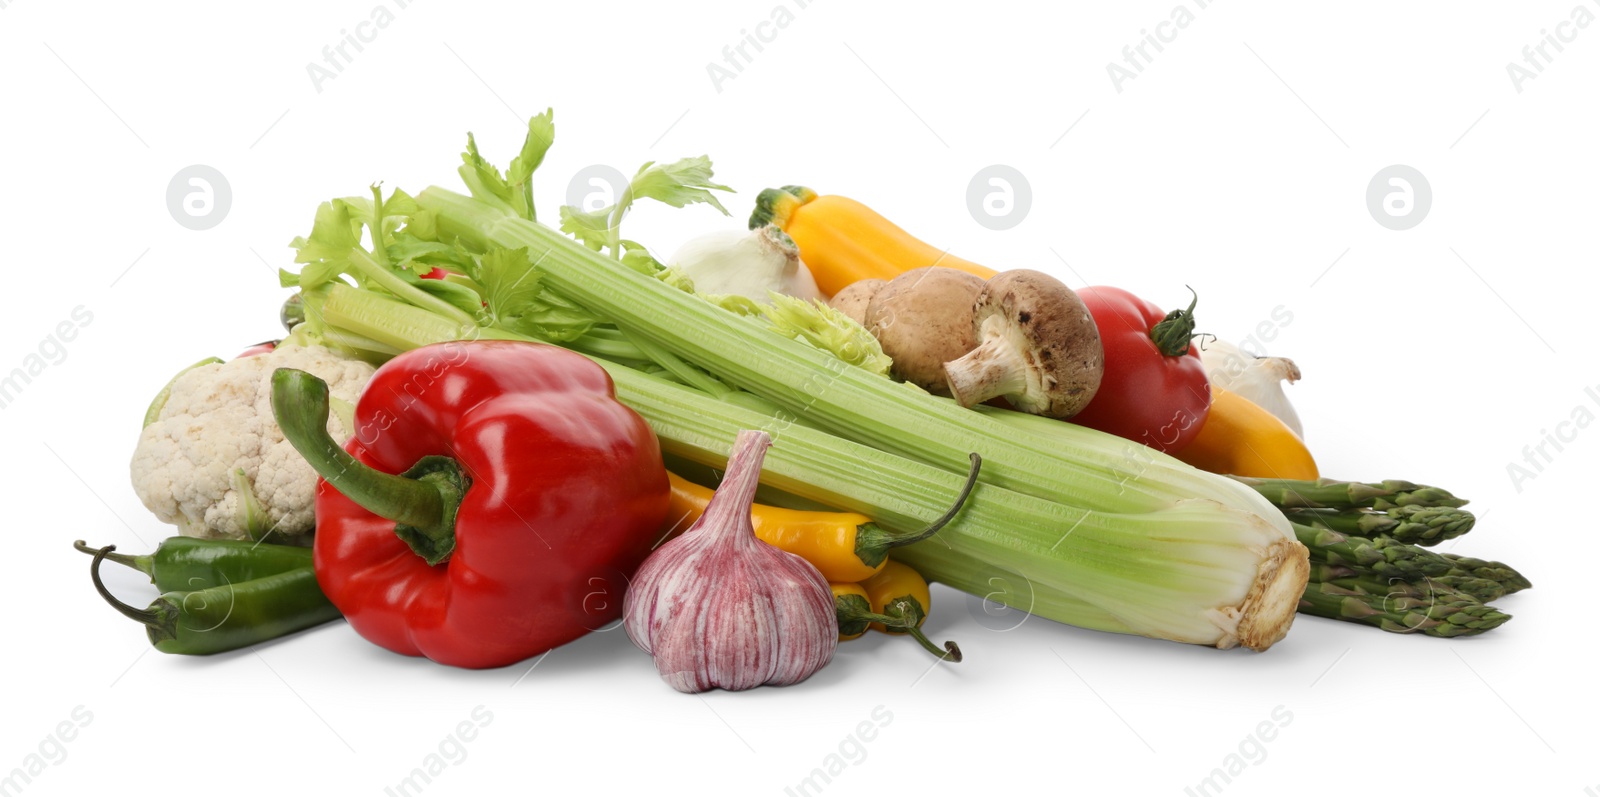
(1237, 163)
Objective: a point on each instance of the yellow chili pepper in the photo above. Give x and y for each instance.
(1240, 438)
(900, 592)
(828, 540)
(854, 610)
(843, 241)
(843, 546)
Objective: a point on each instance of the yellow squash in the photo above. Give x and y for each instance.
(1242, 439)
(843, 241)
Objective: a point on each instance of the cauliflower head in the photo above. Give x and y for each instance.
(214, 462)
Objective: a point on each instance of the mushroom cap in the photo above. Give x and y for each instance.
(923, 319)
(854, 299)
(1047, 325)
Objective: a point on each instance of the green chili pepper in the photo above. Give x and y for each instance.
(226, 617)
(184, 564)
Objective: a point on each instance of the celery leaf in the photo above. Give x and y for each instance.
(825, 328)
(482, 177)
(510, 282)
(541, 134)
(325, 253)
(680, 183)
(592, 228)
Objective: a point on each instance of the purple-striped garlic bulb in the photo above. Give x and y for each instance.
(718, 607)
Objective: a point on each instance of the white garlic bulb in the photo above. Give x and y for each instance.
(747, 263)
(1259, 379)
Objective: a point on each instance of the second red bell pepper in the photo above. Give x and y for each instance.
(491, 506)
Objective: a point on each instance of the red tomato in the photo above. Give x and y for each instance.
(1154, 390)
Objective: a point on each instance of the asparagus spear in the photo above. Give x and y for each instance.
(1322, 571)
(1417, 525)
(1482, 589)
(1401, 608)
(1388, 560)
(1469, 567)
(1330, 494)
(1379, 557)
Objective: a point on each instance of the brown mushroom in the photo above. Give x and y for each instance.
(1037, 346)
(923, 319)
(855, 298)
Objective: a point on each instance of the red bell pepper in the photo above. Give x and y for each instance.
(525, 498)
(1154, 388)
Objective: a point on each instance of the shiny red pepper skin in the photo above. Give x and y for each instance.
(567, 493)
(1155, 398)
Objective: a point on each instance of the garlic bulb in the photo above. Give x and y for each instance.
(1259, 379)
(718, 607)
(746, 263)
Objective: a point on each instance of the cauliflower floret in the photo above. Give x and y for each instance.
(215, 463)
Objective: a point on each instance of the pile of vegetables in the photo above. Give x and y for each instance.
(501, 486)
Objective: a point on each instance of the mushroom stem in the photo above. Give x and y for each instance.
(993, 369)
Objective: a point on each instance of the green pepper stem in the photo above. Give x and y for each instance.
(143, 616)
(951, 650)
(873, 542)
(139, 563)
(423, 508)
(873, 617)
(910, 622)
(1173, 333)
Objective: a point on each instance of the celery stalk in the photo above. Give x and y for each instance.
(1196, 571)
(1079, 466)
